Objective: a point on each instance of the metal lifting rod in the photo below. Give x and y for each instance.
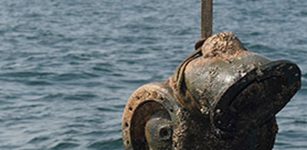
(206, 18)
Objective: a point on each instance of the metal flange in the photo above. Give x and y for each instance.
(147, 108)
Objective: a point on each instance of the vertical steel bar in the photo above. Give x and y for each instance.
(206, 18)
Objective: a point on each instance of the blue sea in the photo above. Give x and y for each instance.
(67, 67)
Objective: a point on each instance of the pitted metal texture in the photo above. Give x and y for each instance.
(220, 97)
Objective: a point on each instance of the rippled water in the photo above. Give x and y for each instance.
(68, 67)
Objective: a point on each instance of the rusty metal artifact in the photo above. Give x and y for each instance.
(221, 97)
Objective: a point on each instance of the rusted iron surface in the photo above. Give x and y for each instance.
(146, 103)
(221, 97)
(159, 132)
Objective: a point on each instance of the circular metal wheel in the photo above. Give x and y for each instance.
(148, 118)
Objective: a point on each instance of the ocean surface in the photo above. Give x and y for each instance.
(67, 67)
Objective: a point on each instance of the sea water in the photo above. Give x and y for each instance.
(67, 67)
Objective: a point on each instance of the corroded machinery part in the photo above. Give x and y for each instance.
(227, 80)
(149, 117)
(221, 97)
(238, 92)
(158, 132)
(195, 134)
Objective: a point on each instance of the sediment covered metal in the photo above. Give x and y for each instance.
(221, 97)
